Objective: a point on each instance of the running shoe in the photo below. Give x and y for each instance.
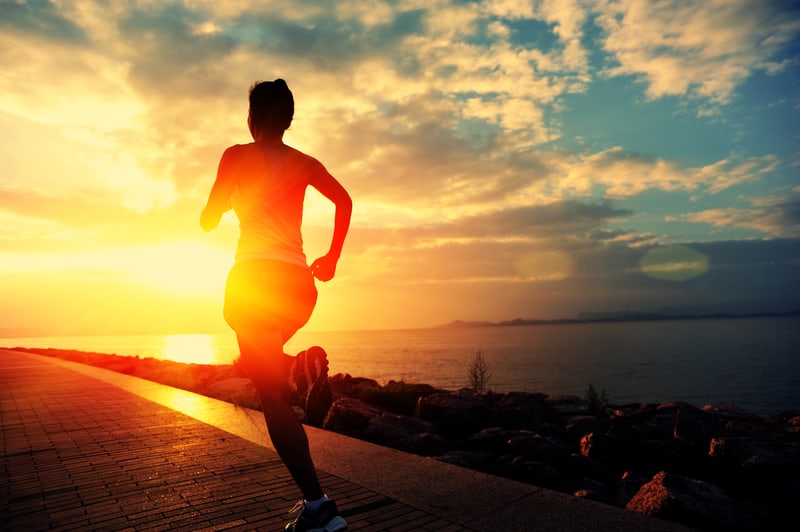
(326, 519)
(309, 377)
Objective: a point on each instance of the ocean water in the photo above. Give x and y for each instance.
(753, 363)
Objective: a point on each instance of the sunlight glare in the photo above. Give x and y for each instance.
(189, 348)
(182, 268)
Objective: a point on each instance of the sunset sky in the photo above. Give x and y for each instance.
(507, 159)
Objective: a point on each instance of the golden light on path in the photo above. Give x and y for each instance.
(190, 348)
(674, 263)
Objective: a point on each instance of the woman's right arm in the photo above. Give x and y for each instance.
(219, 200)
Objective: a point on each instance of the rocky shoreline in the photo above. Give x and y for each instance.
(713, 467)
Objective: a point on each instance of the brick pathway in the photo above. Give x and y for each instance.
(79, 453)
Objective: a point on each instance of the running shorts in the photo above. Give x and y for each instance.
(269, 294)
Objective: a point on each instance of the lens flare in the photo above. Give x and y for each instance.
(547, 265)
(674, 263)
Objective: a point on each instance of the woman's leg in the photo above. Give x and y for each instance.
(264, 362)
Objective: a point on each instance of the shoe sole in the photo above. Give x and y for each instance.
(318, 398)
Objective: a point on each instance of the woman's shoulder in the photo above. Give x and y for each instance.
(237, 151)
(301, 159)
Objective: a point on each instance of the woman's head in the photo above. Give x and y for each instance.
(271, 107)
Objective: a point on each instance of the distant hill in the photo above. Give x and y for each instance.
(605, 317)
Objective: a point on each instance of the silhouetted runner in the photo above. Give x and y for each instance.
(270, 291)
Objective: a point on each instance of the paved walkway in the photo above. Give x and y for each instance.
(85, 448)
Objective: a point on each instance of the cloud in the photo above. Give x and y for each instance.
(43, 20)
(621, 173)
(535, 221)
(775, 217)
(697, 49)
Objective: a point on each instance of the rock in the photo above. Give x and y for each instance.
(456, 414)
(358, 419)
(237, 390)
(593, 490)
(399, 397)
(425, 444)
(395, 430)
(520, 410)
(731, 412)
(633, 414)
(627, 486)
(689, 501)
(610, 449)
(757, 454)
(471, 459)
(342, 384)
(350, 416)
(580, 426)
(491, 439)
(538, 473)
(570, 405)
(532, 446)
(681, 455)
(698, 426)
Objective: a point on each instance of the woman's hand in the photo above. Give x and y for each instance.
(324, 268)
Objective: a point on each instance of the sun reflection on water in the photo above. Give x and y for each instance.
(190, 348)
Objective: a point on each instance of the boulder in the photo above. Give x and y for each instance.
(628, 485)
(698, 426)
(611, 450)
(237, 390)
(594, 490)
(532, 446)
(568, 405)
(633, 414)
(520, 410)
(342, 384)
(425, 444)
(732, 412)
(399, 397)
(580, 426)
(456, 414)
(490, 439)
(396, 431)
(358, 419)
(479, 460)
(540, 474)
(350, 416)
(689, 501)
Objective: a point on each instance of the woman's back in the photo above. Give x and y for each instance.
(268, 200)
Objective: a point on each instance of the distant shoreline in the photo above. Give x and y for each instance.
(583, 318)
(614, 317)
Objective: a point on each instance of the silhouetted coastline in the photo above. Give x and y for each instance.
(616, 317)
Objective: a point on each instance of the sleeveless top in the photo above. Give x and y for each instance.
(270, 208)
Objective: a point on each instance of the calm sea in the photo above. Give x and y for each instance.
(753, 363)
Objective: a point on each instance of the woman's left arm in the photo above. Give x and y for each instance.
(324, 267)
